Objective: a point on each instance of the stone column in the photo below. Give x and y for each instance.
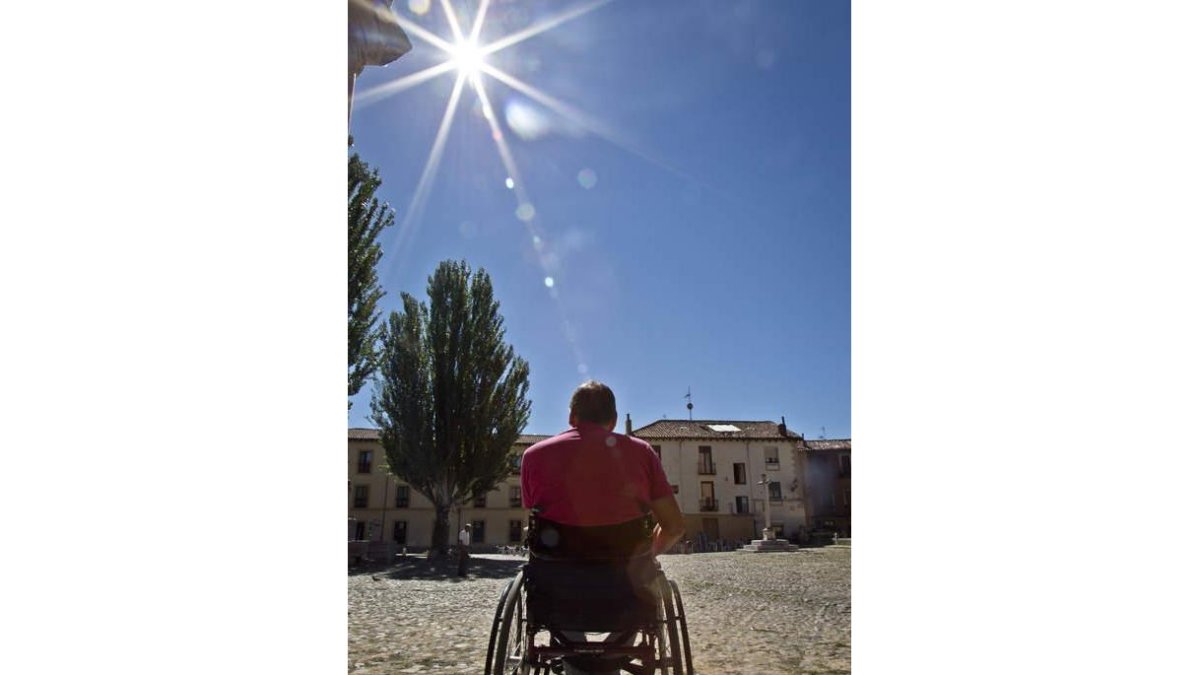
(768, 531)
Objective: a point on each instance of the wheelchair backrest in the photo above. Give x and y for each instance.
(551, 540)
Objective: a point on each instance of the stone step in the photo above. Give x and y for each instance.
(768, 546)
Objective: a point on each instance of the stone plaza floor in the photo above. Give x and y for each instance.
(760, 613)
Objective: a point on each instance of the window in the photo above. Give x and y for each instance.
(480, 501)
(516, 464)
(402, 496)
(739, 473)
(400, 532)
(846, 498)
(514, 495)
(844, 465)
(364, 461)
(514, 531)
(705, 466)
(775, 491)
(360, 531)
(708, 500)
(477, 531)
(742, 504)
(771, 453)
(657, 450)
(360, 496)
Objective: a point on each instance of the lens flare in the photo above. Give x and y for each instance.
(525, 120)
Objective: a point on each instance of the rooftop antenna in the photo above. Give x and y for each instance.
(689, 400)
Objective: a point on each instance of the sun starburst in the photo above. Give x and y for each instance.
(468, 60)
(467, 57)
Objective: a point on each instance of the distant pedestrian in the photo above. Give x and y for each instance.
(464, 543)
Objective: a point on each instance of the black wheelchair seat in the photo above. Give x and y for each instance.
(594, 596)
(591, 578)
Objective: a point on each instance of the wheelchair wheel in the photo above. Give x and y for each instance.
(670, 656)
(687, 644)
(496, 623)
(506, 647)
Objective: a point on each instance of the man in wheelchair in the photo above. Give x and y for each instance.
(601, 509)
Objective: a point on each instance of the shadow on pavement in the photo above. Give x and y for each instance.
(443, 569)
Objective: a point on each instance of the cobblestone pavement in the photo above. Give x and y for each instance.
(759, 613)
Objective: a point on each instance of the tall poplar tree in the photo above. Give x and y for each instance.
(453, 396)
(367, 218)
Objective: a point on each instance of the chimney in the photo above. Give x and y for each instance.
(783, 427)
(628, 425)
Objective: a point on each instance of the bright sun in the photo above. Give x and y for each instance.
(467, 57)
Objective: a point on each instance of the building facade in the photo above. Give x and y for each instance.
(725, 474)
(384, 508)
(827, 485)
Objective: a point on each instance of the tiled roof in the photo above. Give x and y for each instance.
(830, 444)
(360, 434)
(530, 439)
(763, 430)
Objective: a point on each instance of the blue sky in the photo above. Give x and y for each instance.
(690, 201)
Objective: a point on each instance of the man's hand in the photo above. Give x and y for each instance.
(670, 523)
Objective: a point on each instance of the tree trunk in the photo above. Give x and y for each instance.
(441, 530)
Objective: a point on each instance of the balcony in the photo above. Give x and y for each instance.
(705, 467)
(708, 504)
(514, 502)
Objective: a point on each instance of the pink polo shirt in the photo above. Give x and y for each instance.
(589, 476)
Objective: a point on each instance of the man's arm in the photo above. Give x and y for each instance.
(670, 523)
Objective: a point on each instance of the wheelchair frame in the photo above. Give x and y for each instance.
(660, 647)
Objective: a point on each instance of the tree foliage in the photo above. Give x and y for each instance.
(367, 218)
(452, 400)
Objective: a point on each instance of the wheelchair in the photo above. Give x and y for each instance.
(581, 581)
